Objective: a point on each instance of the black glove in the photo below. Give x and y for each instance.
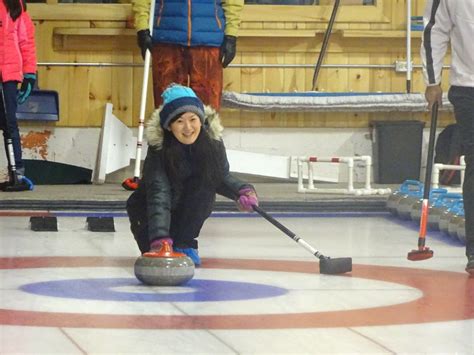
(26, 88)
(144, 41)
(228, 49)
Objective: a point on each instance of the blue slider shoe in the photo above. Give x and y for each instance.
(192, 253)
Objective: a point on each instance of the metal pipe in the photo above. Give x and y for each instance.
(409, 65)
(92, 64)
(311, 66)
(283, 66)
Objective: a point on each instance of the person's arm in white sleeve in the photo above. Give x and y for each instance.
(435, 41)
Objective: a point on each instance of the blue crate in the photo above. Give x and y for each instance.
(42, 105)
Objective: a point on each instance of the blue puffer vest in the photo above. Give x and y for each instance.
(189, 22)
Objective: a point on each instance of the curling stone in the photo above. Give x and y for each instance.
(404, 206)
(444, 220)
(415, 213)
(164, 268)
(443, 203)
(461, 231)
(453, 225)
(446, 216)
(433, 218)
(458, 216)
(394, 199)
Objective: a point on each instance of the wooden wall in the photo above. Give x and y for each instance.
(86, 33)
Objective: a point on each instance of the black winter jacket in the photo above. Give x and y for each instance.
(151, 204)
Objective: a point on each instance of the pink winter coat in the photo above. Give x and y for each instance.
(17, 46)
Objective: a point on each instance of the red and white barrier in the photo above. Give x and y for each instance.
(309, 162)
(439, 167)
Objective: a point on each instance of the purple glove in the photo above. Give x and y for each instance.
(158, 243)
(248, 198)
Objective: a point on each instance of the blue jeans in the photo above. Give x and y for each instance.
(9, 124)
(462, 99)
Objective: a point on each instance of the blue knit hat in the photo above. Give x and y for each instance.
(178, 99)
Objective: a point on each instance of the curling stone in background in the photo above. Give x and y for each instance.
(394, 199)
(458, 215)
(447, 215)
(461, 231)
(439, 207)
(164, 268)
(405, 203)
(415, 213)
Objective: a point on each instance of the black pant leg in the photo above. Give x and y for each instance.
(462, 99)
(9, 122)
(136, 210)
(187, 219)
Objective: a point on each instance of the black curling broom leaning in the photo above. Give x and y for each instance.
(322, 52)
(327, 265)
(423, 252)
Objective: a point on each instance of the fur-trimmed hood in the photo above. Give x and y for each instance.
(154, 131)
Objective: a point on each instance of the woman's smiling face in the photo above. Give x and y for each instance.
(186, 128)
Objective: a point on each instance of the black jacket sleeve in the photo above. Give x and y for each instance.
(158, 195)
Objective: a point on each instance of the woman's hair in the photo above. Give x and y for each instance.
(15, 8)
(206, 159)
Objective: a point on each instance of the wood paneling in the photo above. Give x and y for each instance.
(85, 33)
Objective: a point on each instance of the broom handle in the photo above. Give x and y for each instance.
(327, 34)
(431, 144)
(289, 233)
(141, 119)
(429, 168)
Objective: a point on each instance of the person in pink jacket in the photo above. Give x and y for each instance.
(17, 65)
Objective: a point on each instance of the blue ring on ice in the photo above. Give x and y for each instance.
(196, 290)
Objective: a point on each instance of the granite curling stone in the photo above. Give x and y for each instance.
(164, 267)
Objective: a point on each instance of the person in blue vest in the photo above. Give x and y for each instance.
(192, 42)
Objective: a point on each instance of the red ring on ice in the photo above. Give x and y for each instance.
(447, 296)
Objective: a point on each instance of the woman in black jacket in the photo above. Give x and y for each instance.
(186, 165)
